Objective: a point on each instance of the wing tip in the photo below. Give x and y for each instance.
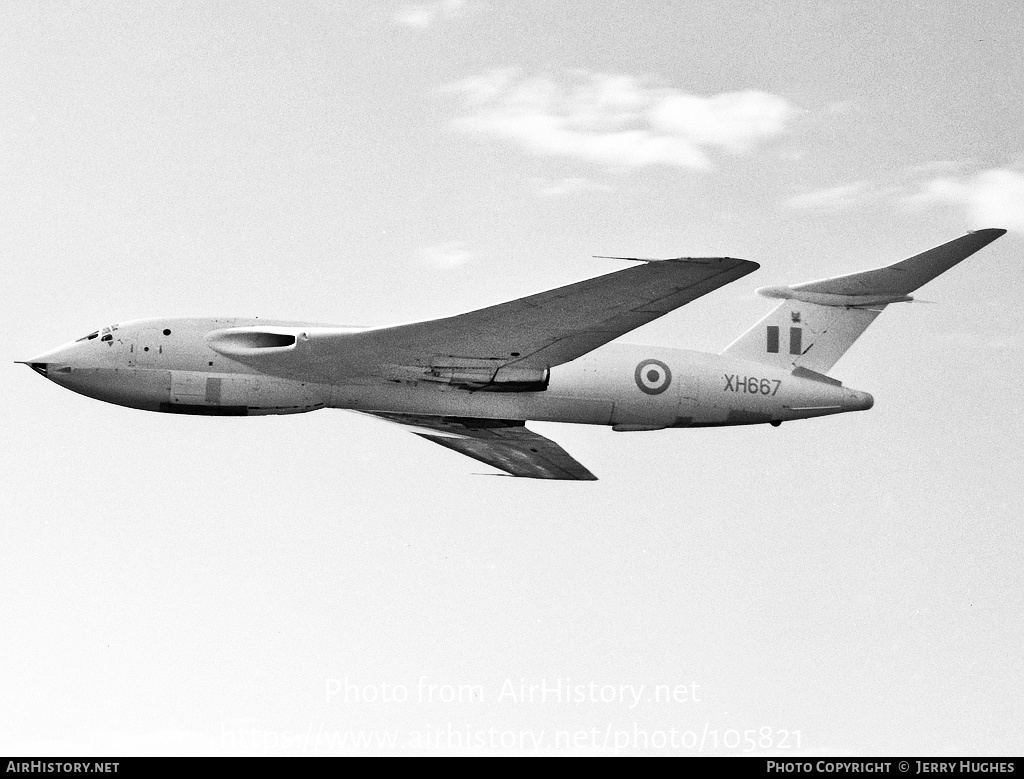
(988, 234)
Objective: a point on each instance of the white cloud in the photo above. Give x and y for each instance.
(616, 120)
(445, 256)
(832, 197)
(478, 90)
(422, 15)
(993, 198)
(734, 120)
(545, 187)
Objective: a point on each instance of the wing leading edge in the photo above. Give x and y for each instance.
(504, 444)
(557, 326)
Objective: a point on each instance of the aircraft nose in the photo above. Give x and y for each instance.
(37, 365)
(48, 363)
(55, 363)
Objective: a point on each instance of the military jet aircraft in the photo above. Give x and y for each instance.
(470, 382)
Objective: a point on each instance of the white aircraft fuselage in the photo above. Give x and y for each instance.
(168, 365)
(469, 382)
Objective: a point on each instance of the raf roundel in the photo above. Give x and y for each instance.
(652, 377)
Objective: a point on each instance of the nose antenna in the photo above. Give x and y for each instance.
(38, 367)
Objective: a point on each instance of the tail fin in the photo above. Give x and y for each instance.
(818, 321)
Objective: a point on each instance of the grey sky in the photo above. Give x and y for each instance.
(194, 585)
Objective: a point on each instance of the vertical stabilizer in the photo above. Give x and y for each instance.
(818, 321)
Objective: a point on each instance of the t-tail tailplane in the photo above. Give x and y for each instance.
(818, 321)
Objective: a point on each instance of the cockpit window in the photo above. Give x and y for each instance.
(106, 332)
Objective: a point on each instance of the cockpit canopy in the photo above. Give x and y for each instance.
(106, 334)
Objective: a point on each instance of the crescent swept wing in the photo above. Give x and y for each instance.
(506, 346)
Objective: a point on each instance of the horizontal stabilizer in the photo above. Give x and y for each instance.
(891, 284)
